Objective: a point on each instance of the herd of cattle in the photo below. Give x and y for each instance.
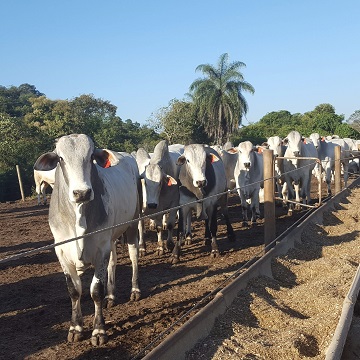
(99, 195)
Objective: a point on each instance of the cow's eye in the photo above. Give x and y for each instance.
(187, 160)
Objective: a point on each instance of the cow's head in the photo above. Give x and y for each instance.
(155, 180)
(195, 157)
(315, 139)
(293, 142)
(246, 153)
(75, 155)
(275, 143)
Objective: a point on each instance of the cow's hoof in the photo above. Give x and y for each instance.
(160, 251)
(135, 295)
(142, 252)
(99, 339)
(187, 241)
(215, 253)
(244, 224)
(109, 302)
(174, 259)
(290, 213)
(170, 246)
(75, 336)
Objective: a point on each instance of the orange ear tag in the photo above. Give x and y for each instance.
(107, 164)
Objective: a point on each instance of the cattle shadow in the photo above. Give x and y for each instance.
(29, 310)
(17, 249)
(26, 211)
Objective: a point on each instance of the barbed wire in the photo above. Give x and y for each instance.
(140, 218)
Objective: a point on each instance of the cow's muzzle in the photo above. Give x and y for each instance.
(201, 183)
(152, 205)
(81, 196)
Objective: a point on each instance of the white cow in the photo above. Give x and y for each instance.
(160, 190)
(202, 177)
(275, 143)
(297, 172)
(43, 179)
(326, 153)
(94, 189)
(249, 176)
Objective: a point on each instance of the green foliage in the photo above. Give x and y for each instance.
(354, 120)
(178, 123)
(30, 123)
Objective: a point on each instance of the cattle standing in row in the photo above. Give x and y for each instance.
(160, 189)
(249, 176)
(43, 179)
(299, 162)
(94, 189)
(202, 177)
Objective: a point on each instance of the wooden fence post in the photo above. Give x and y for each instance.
(269, 197)
(20, 182)
(337, 169)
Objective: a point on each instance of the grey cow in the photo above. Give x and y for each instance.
(93, 189)
(202, 177)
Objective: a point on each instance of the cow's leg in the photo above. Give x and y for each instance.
(110, 295)
(43, 192)
(73, 282)
(187, 226)
(158, 221)
(346, 171)
(290, 196)
(171, 219)
(297, 194)
(225, 211)
(142, 245)
(97, 292)
(213, 229)
(255, 210)
(133, 248)
(175, 255)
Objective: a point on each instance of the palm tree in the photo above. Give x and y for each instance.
(219, 97)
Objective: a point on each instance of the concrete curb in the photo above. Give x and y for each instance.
(199, 326)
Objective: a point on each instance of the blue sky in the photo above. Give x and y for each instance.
(141, 54)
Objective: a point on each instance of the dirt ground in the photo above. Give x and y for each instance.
(35, 307)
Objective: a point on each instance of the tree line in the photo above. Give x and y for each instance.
(210, 113)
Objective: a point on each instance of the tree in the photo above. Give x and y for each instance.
(178, 123)
(322, 120)
(354, 120)
(219, 97)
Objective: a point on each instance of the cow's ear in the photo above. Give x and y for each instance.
(286, 141)
(181, 160)
(170, 181)
(213, 158)
(258, 149)
(265, 145)
(232, 150)
(105, 158)
(46, 162)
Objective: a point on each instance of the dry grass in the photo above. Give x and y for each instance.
(293, 315)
